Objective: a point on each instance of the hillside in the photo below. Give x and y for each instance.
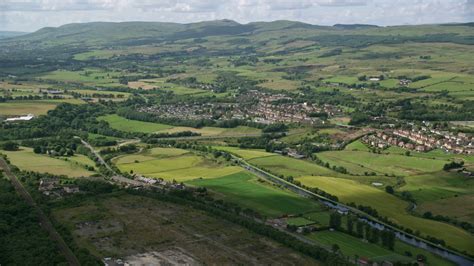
(11, 34)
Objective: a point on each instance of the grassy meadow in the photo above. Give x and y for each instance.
(247, 190)
(127, 125)
(36, 107)
(27, 160)
(390, 206)
(173, 164)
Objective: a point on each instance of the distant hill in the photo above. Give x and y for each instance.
(220, 37)
(354, 26)
(10, 34)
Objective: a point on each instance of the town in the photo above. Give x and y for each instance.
(254, 105)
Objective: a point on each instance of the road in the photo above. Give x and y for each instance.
(116, 177)
(44, 220)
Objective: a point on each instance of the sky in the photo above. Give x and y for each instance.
(31, 15)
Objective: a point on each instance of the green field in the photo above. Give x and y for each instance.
(39, 107)
(26, 160)
(123, 124)
(299, 221)
(359, 162)
(89, 76)
(247, 190)
(352, 246)
(279, 164)
(173, 164)
(282, 165)
(459, 207)
(127, 125)
(390, 206)
(321, 218)
(439, 185)
(243, 153)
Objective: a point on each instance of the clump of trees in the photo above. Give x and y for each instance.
(453, 165)
(10, 146)
(358, 228)
(22, 240)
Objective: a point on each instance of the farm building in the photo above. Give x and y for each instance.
(27, 117)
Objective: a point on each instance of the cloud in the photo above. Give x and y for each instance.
(343, 3)
(28, 15)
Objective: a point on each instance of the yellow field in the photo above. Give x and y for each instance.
(26, 160)
(173, 164)
(39, 107)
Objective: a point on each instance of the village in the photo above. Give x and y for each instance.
(423, 139)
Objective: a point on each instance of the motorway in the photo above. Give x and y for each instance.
(44, 220)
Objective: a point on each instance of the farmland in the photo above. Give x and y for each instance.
(358, 162)
(245, 189)
(26, 160)
(173, 165)
(128, 125)
(179, 102)
(390, 206)
(351, 246)
(15, 108)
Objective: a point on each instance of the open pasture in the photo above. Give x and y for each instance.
(27, 160)
(36, 107)
(89, 76)
(282, 165)
(278, 164)
(359, 162)
(439, 185)
(177, 165)
(128, 125)
(459, 207)
(247, 190)
(390, 206)
(246, 154)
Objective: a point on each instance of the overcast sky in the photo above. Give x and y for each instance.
(30, 15)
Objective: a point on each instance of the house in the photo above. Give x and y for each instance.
(295, 154)
(48, 184)
(71, 189)
(54, 92)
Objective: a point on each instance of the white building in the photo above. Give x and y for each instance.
(27, 117)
